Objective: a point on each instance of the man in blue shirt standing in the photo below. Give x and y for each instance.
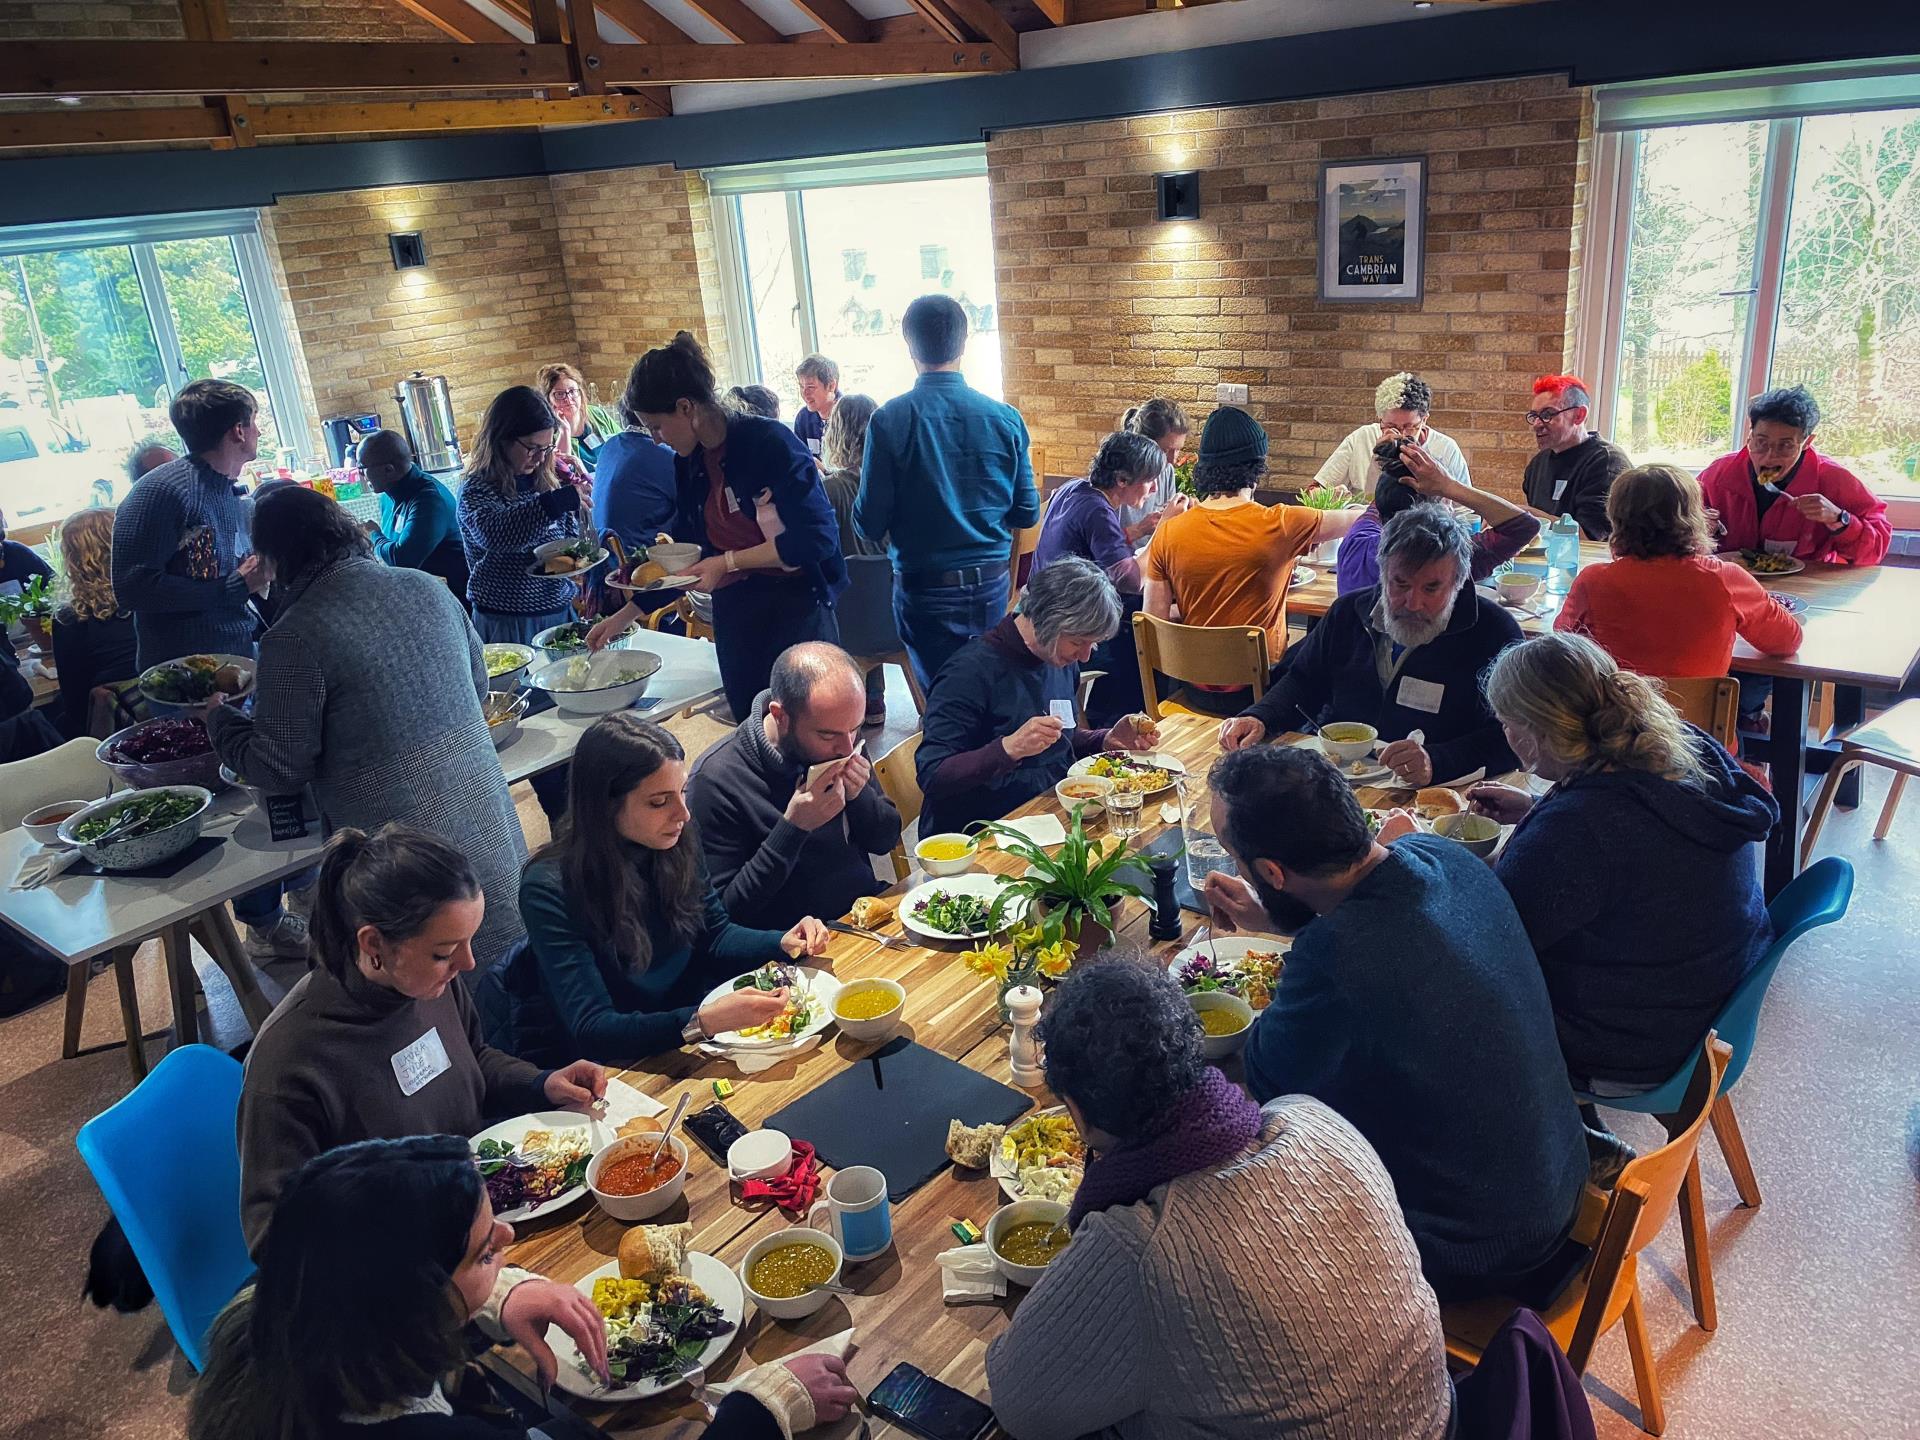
(947, 480)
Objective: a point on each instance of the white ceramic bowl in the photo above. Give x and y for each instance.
(1342, 751)
(604, 693)
(149, 847)
(760, 1155)
(1479, 833)
(1019, 1213)
(637, 1207)
(948, 867)
(543, 642)
(43, 825)
(1219, 1047)
(881, 1026)
(677, 557)
(1518, 588)
(799, 1306)
(1102, 787)
(509, 679)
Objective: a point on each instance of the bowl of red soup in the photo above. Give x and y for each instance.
(43, 825)
(638, 1177)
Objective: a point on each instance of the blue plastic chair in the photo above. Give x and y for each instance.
(1818, 896)
(167, 1162)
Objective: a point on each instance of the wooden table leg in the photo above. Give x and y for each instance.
(177, 944)
(130, 1012)
(1786, 751)
(222, 942)
(77, 977)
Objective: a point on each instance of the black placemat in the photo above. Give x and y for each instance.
(160, 870)
(891, 1110)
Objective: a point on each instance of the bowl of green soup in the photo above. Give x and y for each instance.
(1026, 1237)
(781, 1270)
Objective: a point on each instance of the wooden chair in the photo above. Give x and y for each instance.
(1026, 540)
(1890, 740)
(1617, 1227)
(696, 628)
(1198, 655)
(1713, 705)
(898, 779)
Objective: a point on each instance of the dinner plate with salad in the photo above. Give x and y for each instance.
(564, 559)
(657, 1331)
(1765, 562)
(535, 1164)
(956, 907)
(810, 997)
(1041, 1158)
(1245, 965)
(1147, 771)
(193, 679)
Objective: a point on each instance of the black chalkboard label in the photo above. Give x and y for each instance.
(285, 818)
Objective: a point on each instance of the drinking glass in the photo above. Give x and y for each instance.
(1123, 813)
(1205, 853)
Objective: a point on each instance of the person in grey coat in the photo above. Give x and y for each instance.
(369, 690)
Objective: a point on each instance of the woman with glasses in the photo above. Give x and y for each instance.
(565, 389)
(511, 500)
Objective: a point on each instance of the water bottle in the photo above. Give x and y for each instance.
(1563, 553)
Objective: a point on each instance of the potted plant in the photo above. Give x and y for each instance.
(1079, 881)
(33, 608)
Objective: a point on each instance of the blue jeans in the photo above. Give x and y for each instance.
(935, 622)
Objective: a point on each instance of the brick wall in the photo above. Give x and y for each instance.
(1102, 306)
(638, 248)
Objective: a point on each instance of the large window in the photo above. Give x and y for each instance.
(1762, 252)
(828, 256)
(100, 325)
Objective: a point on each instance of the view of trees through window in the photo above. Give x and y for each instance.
(1848, 323)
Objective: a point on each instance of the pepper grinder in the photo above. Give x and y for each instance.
(1165, 924)
(1023, 1005)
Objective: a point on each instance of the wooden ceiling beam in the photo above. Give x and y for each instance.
(585, 45)
(840, 21)
(677, 64)
(544, 17)
(644, 22)
(1058, 12)
(207, 20)
(460, 21)
(968, 21)
(194, 67)
(412, 117)
(740, 24)
(36, 129)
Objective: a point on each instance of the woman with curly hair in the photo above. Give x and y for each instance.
(1206, 1231)
(93, 642)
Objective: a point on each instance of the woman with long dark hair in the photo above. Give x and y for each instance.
(381, 1039)
(378, 1256)
(625, 932)
(369, 691)
(512, 500)
(769, 590)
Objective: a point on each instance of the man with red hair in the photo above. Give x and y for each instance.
(1575, 467)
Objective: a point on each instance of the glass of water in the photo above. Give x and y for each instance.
(1205, 853)
(1123, 813)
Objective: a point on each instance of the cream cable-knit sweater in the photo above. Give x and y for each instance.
(1281, 1295)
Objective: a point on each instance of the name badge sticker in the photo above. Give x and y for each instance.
(1062, 710)
(1422, 695)
(420, 1063)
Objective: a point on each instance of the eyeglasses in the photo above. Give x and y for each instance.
(536, 452)
(1540, 417)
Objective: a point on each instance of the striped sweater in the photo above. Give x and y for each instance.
(499, 537)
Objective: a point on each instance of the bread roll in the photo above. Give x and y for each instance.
(871, 910)
(1438, 800)
(653, 1252)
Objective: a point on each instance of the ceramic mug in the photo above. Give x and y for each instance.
(855, 1212)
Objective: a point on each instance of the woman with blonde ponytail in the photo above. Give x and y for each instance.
(1638, 874)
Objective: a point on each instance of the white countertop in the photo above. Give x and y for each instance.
(80, 916)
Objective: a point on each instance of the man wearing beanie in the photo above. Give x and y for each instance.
(1228, 560)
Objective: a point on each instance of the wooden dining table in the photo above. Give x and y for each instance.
(1862, 625)
(898, 1312)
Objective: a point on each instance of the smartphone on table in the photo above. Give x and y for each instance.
(714, 1129)
(921, 1405)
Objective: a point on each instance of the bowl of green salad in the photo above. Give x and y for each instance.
(133, 829)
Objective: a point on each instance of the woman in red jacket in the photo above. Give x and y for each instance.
(1666, 606)
(1781, 496)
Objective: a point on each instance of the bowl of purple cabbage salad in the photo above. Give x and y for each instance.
(173, 750)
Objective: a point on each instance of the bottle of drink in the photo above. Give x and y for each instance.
(1563, 553)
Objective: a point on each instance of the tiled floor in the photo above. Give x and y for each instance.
(1819, 1288)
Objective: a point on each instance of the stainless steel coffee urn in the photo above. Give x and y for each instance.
(426, 410)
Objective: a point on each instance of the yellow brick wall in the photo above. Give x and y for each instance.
(1102, 306)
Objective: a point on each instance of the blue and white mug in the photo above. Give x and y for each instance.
(855, 1212)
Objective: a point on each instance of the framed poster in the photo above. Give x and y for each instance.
(1373, 229)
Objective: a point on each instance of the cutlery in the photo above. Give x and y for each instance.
(679, 1109)
(1312, 729)
(829, 1285)
(843, 928)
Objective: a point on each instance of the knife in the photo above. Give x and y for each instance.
(862, 932)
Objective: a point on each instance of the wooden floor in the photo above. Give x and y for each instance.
(1819, 1288)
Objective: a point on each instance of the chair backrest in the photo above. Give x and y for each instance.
(1644, 1197)
(1713, 705)
(165, 1159)
(1026, 540)
(1523, 1388)
(897, 778)
(695, 627)
(1817, 896)
(1198, 655)
(865, 608)
(66, 772)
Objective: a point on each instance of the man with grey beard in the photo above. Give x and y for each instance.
(1404, 656)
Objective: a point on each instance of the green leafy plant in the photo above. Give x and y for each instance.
(34, 602)
(1183, 479)
(1325, 497)
(1080, 879)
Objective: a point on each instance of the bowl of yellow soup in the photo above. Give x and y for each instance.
(1226, 1018)
(869, 1009)
(785, 1264)
(943, 855)
(1023, 1240)
(1345, 741)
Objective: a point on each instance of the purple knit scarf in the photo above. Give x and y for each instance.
(1211, 1123)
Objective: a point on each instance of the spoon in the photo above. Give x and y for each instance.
(679, 1109)
(829, 1285)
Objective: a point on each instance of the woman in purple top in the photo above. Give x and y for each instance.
(1083, 519)
(1505, 529)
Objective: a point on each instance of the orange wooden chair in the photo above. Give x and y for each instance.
(901, 783)
(1617, 1227)
(1197, 655)
(1713, 705)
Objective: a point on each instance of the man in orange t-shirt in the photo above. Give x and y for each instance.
(1228, 560)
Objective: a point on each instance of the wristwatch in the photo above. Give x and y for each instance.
(1846, 519)
(693, 1032)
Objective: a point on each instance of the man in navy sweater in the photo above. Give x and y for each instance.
(1404, 655)
(1413, 1005)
